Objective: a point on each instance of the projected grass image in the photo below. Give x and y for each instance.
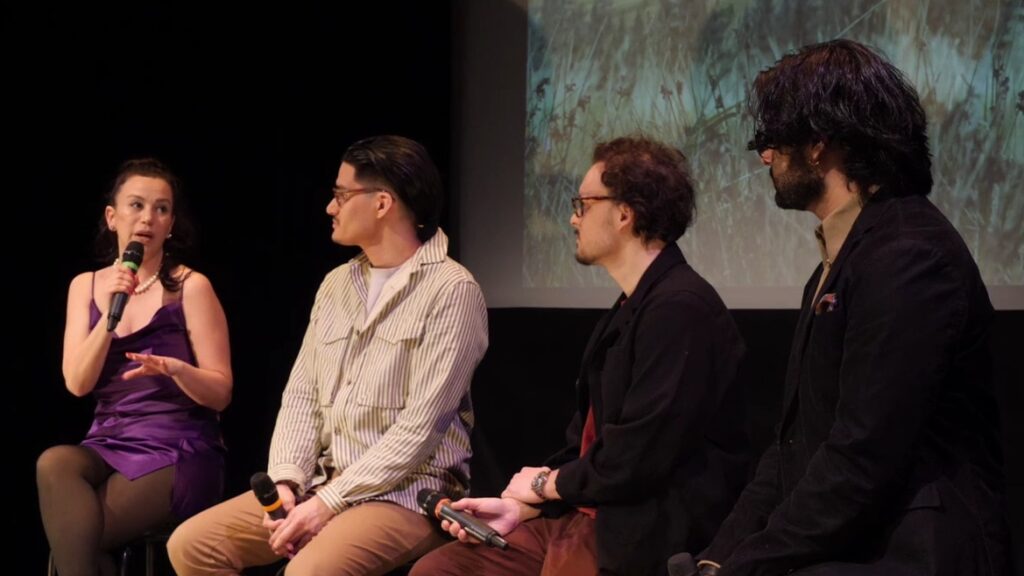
(680, 72)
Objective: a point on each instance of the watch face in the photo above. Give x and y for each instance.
(538, 484)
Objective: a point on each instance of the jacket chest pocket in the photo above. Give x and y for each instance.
(332, 341)
(386, 362)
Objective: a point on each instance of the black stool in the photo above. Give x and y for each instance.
(150, 542)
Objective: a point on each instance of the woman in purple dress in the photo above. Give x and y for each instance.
(154, 454)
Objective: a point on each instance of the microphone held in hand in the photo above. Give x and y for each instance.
(684, 564)
(266, 493)
(131, 260)
(437, 505)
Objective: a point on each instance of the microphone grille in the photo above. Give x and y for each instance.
(133, 253)
(264, 488)
(428, 500)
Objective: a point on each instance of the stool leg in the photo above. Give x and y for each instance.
(150, 560)
(126, 557)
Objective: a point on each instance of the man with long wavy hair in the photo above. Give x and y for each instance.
(887, 459)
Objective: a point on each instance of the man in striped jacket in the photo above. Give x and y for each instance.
(377, 406)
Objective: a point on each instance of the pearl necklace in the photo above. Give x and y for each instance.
(145, 285)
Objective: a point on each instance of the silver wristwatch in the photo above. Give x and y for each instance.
(538, 483)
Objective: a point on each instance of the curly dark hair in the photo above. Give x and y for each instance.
(404, 167)
(175, 246)
(847, 95)
(653, 180)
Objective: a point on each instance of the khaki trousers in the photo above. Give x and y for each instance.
(369, 538)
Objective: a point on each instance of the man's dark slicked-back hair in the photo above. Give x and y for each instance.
(404, 167)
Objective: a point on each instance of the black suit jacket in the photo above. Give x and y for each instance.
(888, 452)
(668, 462)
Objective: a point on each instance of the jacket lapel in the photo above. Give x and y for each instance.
(870, 215)
(796, 353)
(618, 318)
(873, 211)
(667, 259)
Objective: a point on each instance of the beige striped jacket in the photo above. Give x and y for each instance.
(377, 405)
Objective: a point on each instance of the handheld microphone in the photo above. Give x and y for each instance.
(131, 259)
(684, 564)
(266, 493)
(438, 506)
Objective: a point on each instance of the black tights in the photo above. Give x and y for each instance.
(89, 509)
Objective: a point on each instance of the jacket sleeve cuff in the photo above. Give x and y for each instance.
(332, 498)
(567, 483)
(289, 473)
(552, 508)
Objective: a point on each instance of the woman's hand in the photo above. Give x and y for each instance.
(116, 279)
(151, 364)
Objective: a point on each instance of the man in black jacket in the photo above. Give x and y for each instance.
(655, 457)
(887, 458)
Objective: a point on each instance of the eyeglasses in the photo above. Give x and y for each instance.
(761, 142)
(342, 195)
(579, 205)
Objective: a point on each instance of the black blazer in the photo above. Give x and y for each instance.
(888, 452)
(667, 463)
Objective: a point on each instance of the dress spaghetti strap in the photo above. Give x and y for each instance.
(178, 296)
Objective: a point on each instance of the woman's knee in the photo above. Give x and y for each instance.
(61, 462)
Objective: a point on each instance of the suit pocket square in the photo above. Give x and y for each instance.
(827, 303)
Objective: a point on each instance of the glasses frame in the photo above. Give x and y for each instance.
(342, 195)
(579, 205)
(760, 142)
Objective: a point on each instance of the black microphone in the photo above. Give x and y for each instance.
(131, 259)
(684, 564)
(436, 505)
(266, 493)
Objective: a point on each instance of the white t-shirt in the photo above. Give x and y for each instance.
(378, 278)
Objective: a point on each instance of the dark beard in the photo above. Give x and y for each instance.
(799, 186)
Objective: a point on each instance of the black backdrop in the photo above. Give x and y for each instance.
(253, 109)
